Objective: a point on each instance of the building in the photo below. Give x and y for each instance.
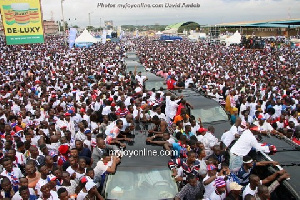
(285, 27)
(50, 27)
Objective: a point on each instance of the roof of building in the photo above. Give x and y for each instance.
(287, 23)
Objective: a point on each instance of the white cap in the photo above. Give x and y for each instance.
(89, 185)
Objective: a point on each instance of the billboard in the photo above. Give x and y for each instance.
(72, 37)
(22, 21)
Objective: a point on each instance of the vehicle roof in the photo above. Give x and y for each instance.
(196, 99)
(153, 77)
(143, 162)
(288, 157)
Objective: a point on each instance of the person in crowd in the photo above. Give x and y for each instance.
(62, 194)
(188, 165)
(193, 190)
(235, 191)
(242, 147)
(248, 165)
(220, 192)
(254, 182)
(100, 150)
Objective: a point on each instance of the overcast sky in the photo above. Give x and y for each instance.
(210, 12)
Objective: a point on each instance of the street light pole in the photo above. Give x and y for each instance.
(63, 19)
(89, 19)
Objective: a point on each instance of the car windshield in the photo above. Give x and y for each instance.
(209, 115)
(155, 84)
(146, 185)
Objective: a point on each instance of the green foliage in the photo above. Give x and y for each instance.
(90, 28)
(188, 27)
(155, 27)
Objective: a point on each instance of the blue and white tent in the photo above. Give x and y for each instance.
(85, 40)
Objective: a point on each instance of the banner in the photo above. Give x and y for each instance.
(103, 37)
(122, 34)
(137, 34)
(22, 21)
(72, 37)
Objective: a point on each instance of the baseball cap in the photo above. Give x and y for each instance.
(63, 149)
(51, 178)
(220, 183)
(211, 167)
(67, 114)
(89, 185)
(235, 186)
(202, 129)
(254, 128)
(261, 117)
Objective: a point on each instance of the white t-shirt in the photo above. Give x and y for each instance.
(215, 196)
(81, 195)
(210, 188)
(265, 127)
(173, 108)
(200, 138)
(101, 167)
(16, 173)
(21, 158)
(244, 144)
(106, 110)
(171, 140)
(80, 136)
(227, 138)
(195, 129)
(248, 190)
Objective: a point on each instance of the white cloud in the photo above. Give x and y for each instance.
(210, 12)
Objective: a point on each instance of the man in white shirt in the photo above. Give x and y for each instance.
(242, 147)
(234, 132)
(12, 173)
(263, 126)
(141, 79)
(209, 180)
(209, 140)
(172, 107)
(254, 182)
(220, 191)
(106, 164)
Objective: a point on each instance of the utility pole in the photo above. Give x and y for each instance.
(89, 19)
(63, 21)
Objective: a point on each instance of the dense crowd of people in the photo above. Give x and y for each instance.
(63, 110)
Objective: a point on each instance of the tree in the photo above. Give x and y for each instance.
(61, 26)
(75, 26)
(188, 27)
(90, 28)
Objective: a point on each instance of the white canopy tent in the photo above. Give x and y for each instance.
(85, 38)
(159, 33)
(234, 39)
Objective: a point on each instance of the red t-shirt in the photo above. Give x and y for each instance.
(170, 84)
